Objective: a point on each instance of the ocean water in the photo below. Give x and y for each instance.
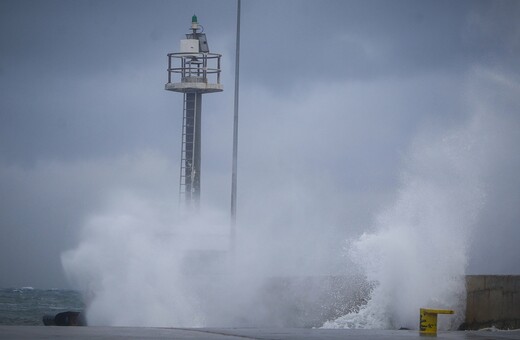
(27, 305)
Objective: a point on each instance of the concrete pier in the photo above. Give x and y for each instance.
(493, 301)
(42, 332)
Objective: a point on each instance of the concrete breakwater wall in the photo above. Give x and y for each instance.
(306, 301)
(493, 301)
(310, 301)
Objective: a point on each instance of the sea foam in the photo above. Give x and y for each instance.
(417, 254)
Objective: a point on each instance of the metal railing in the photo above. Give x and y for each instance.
(194, 67)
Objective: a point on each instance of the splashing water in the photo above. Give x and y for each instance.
(132, 265)
(133, 258)
(135, 265)
(416, 256)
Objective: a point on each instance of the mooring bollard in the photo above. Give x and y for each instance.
(428, 321)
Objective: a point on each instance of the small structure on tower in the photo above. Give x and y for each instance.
(193, 71)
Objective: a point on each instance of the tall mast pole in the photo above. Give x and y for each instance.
(235, 137)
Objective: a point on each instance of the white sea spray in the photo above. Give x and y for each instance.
(417, 254)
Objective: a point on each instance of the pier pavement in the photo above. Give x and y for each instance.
(56, 332)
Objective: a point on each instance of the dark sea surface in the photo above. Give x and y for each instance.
(27, 306)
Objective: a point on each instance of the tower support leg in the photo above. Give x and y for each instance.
(192, 148)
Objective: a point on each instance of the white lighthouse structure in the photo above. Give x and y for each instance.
(193, 71)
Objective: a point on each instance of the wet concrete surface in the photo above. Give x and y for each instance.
(56, 332)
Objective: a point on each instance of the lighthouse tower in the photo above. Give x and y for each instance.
(193, 71)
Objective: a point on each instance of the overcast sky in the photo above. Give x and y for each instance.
(334, 94)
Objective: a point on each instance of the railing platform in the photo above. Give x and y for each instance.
(194, 72)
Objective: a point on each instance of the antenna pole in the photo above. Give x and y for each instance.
(235, 138)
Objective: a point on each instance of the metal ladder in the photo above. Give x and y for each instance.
(187, 175)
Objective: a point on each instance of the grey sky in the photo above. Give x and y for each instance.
(333, 95)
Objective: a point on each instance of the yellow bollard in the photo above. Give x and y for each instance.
(428, 323)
